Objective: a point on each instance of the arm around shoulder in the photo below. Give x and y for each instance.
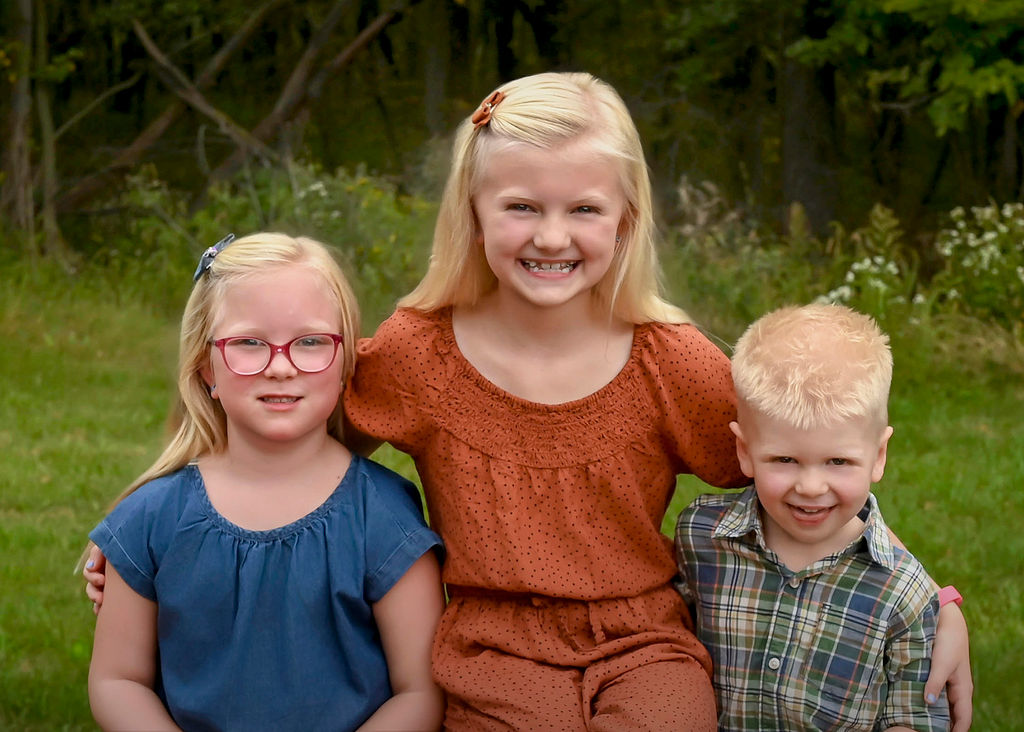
(951, 667)
(124, 657)
(407, 617)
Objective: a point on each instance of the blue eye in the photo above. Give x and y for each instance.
(246, 343)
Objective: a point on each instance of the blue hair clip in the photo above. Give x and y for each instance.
(208, 256)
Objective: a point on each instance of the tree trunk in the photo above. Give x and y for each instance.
(809, 131)
(53, 243)
(16, 195)
(1008, 173)
(435, 66)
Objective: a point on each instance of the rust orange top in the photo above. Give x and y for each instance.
(559, 500)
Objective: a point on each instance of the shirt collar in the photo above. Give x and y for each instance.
(743, 519)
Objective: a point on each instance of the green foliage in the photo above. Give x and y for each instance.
(950, 56)
(381, 236)
(724, 266)
(983, 255)
(89, 381)
(878, 269)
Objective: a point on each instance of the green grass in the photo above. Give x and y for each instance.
(86, 378)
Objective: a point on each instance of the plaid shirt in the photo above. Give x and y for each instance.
(842, 644)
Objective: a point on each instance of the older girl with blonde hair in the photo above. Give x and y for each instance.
(549, 397)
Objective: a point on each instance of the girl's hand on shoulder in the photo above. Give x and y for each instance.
(407, 617)
(951, 667)
(94, 572)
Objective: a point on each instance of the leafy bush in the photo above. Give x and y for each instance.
(728, 269)
(381, 236)
(983, 253)
(878, 270)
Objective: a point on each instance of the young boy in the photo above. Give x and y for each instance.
(813, 617)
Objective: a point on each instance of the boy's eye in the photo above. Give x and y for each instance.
(838, 461)
(784, 460)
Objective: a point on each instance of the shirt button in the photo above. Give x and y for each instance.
(794, 583)
(774, 663)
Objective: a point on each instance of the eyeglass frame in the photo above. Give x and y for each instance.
(275, 349)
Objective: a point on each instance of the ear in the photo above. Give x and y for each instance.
(878, 469)
(206, 371)
(746, 462)
(478, 231)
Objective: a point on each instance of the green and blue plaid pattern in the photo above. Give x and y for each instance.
(842, 644)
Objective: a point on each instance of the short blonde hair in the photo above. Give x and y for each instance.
(814, 365)
(545, 111)
(201, 426)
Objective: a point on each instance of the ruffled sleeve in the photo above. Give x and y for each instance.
(693, 381)
(397, 381)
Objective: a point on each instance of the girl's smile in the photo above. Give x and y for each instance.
(548, 221)
(281, 403)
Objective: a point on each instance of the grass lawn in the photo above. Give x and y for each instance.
(86, 384)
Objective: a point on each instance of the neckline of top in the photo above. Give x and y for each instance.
(615, 384)
(277, 533)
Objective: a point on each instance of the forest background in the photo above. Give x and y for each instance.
(867, 152)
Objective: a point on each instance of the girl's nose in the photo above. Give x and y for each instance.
(279, 366)
(552, 234)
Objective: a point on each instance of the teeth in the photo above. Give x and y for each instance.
(280, 400)
(549, 266)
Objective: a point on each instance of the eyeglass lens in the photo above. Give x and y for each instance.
(310, 353)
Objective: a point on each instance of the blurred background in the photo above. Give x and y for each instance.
(869, 152)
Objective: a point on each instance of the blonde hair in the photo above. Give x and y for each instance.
(201, 423)
(545, 111)
(814, 365)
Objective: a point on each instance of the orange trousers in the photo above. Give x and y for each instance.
(521, 662)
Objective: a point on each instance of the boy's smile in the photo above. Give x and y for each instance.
(811, 483)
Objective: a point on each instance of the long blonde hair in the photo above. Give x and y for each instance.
(201, 423)
(544, 111)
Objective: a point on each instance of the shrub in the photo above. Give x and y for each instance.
(983, 256)
(382, 236)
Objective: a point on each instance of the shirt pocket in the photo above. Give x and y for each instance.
(843, 668)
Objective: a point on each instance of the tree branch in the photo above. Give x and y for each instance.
(180, 85)
(298, 93)
(95, 103)
(88, 187)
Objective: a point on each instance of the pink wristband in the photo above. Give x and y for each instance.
(949, 594)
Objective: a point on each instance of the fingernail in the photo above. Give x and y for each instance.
(90, 564)
(931, 698)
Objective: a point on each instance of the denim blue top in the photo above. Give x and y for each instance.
(268, 629)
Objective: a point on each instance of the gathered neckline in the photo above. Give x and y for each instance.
(267, 535)
(615, 384)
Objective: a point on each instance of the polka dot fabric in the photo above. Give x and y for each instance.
(559, 502)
